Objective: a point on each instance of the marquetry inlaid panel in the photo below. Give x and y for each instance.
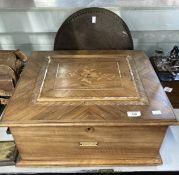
(94, 80)
(75, 87)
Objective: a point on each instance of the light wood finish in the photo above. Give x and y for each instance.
(113, 143)
(24, 99)
(91, 80)
(92, 162)
(67, 98)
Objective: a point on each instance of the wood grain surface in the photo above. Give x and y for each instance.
(91, 80)
(70, 109)
(55, 143)
(30, 111)
(50, 146)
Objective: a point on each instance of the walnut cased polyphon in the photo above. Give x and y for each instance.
(70, 108)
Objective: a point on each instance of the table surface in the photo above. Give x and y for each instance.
(169, 152)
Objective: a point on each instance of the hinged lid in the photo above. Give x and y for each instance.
(88, 88)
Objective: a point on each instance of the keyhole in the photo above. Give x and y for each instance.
(89, 129)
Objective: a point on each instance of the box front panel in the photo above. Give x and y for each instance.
(88, 143)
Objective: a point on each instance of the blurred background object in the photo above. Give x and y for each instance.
(11, 65)
(167, 69)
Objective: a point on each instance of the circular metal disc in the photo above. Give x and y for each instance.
(93, 29)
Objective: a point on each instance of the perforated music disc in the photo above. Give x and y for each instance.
(93, 29)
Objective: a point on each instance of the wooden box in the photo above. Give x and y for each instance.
(11, 64)
(7, 73)
(88, 108)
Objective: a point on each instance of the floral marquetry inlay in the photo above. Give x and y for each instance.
(91, 75)
(91, 80)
